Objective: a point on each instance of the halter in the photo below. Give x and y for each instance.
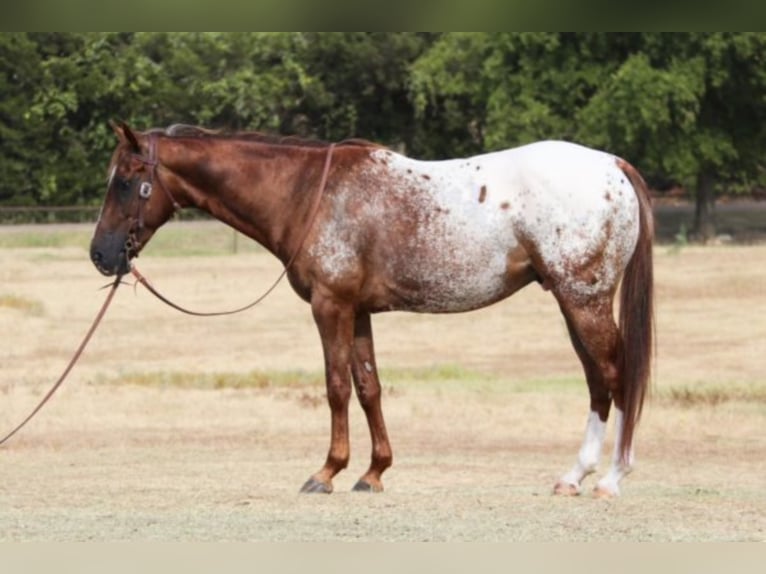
(145, 189)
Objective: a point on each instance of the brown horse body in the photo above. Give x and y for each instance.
(393, 233)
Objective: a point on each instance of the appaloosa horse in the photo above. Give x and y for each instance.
(363, 229)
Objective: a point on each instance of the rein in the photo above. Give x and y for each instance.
(312, 217)
(72, 361)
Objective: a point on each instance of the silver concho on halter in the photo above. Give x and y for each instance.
(145, 190)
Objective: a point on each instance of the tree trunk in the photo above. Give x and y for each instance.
(704, 215)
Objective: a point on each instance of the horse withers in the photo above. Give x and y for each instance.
(362, 230)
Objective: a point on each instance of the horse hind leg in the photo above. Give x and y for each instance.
(596, 340)
(367, 385)
(600, 401)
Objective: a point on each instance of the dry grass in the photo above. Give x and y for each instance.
(700, 395)
(177, 428)
(23, 304)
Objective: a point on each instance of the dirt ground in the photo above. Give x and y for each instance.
(150, 439)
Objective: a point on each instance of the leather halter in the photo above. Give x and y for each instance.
(145, 189)
(151, 161)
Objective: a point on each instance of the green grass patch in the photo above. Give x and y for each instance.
(26, 306)
(446, 377)
(42, 236)
(173, 240)
(456, 377)
(222, 380)
(194, 240)
(439, 373)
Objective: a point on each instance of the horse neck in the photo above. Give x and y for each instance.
(265, 191)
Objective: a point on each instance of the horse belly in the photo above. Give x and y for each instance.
(447, 286)
(453, 261)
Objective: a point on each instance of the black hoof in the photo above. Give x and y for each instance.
(363, 486)
(313, 485)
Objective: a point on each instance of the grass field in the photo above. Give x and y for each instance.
(180, 428)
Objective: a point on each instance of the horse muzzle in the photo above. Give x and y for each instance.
(111, 253)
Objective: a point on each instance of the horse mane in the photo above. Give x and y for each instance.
(192, 131)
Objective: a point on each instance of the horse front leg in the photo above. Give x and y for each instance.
(367, 384)
(335, 322)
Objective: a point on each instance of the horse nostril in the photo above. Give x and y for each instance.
(108, 254)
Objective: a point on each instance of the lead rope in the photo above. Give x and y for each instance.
(72, 362)
(145, 282)
(312, 217)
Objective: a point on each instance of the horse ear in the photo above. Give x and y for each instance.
(125, 134)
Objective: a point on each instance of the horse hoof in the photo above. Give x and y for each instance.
(605, 492)
(566, 489)
(312, 485)
(364, 486)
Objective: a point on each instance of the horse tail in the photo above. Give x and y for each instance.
(636, 317)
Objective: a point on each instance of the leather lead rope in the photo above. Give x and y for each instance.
(312, 217)
(145, 282)
(72, 361)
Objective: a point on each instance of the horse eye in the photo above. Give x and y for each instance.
(122, 186)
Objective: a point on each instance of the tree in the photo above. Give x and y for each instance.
(66, 83)
(21, 155)
(690, 108)
(360, 85)
(449, 89)
(226, 80)
(684, 107)
(687, 108)
(491, 91)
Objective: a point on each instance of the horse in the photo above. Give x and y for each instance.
(362, 229)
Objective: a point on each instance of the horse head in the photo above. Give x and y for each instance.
(132, 210)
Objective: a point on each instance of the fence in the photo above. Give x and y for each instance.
(10, 215)
(742, 221)
(63, 214)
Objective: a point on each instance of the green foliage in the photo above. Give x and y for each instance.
(680, 240)
(683, 105)
(684, 108)
(59, 91)
(19, 72)
(679, 106)
(641, 111)
(448, 89)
